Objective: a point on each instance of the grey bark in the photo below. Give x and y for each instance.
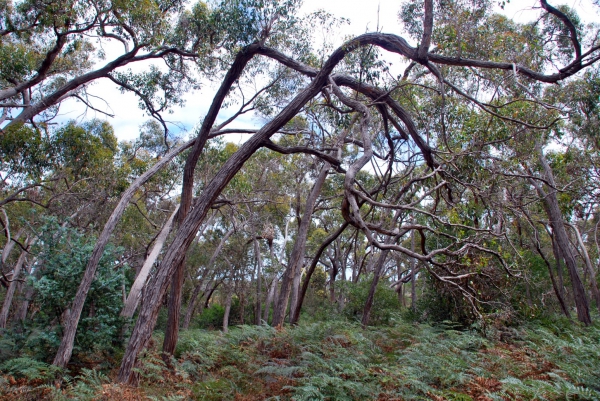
(290, 283)
(193, 300)
(589, 266)
(557, 223)
(135, 292)
(11, 290)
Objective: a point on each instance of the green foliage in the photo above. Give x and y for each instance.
(385, 304)
(211, 317)
(30, 369)
(63, 255)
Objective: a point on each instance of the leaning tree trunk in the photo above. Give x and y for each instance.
(291, 278)
(152, 300)
(588, 264)
(557, 223)
(174, 308)
(11, 289)
(135, 292)
(151, 303)
(66, 345)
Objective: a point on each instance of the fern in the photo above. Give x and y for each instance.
(30, 369)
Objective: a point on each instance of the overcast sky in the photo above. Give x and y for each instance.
(364, 15)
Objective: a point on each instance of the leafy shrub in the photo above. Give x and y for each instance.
(62, 258)
(211, 317)
(385, 305)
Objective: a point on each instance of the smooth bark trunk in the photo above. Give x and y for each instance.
(135, 292)
(290, 284)
(227, 310)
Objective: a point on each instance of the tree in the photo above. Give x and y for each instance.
(467, 240)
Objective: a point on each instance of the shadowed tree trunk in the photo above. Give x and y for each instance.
(185, 235)
(174, 308)
(259, 268)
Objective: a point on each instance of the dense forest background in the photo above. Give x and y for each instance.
(378, 235)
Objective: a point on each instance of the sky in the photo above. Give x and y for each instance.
(364, 15)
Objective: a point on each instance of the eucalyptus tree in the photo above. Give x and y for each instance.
(466, 238)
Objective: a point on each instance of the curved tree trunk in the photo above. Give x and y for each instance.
(66, 346)
(135, 292)
(185, 235)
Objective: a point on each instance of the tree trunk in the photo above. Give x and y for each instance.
(151, 303)
(588, 264)
(413, 275)
(559, 271)
(11, 290)
(270, 297)
(557, 223)
(174, 309)
(136, 289)
(66, 346)
(227, 310)
(259, 266)
(332, 275)
(292, 275)
(192, 303)
(378, 270)
(10, 244)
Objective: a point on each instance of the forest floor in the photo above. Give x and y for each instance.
(338, 360)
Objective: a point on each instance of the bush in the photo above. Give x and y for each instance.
(211, 317)
(385, 304)
(62, 257)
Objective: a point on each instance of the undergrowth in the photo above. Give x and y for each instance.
(338, 360)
